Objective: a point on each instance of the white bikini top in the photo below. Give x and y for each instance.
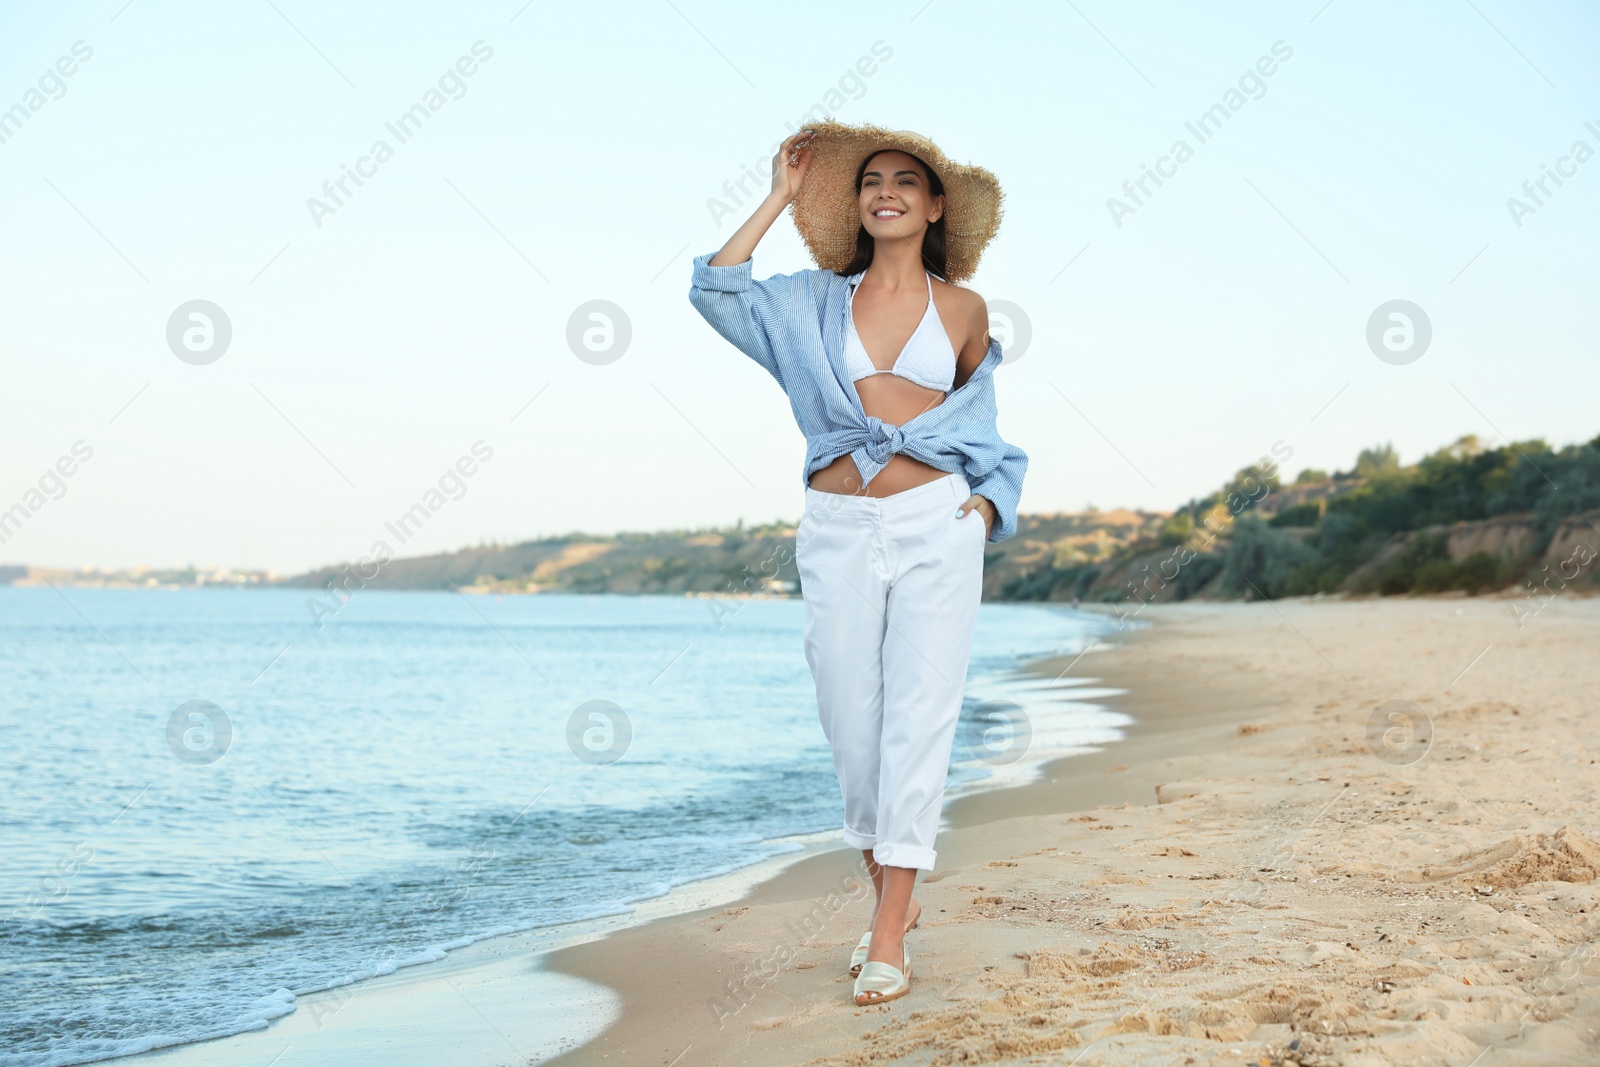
(927, 359)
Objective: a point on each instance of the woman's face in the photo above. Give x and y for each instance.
(895, 200)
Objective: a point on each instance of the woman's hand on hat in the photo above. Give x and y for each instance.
(790, 164)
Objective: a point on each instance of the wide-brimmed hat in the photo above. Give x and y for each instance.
(825, 210)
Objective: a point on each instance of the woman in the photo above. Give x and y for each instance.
(889, 371)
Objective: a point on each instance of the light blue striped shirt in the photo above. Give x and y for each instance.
(794, 326)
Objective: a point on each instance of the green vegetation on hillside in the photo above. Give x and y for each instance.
(1380, 527)
(1463, 482)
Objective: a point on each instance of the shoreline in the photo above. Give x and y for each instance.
(509, 966)
(388, 1002)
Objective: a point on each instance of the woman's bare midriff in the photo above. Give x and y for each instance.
(896, 401)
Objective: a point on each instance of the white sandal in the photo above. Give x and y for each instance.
(864, 946)
(880, 982)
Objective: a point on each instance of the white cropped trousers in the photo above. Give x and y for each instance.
(891, 588)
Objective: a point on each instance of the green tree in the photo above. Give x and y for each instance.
(1260, 560)
(1377, 460)
(1178, 529)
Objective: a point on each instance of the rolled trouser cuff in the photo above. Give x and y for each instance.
(859, 840)
(904, 856)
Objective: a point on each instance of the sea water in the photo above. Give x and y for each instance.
(217, 801)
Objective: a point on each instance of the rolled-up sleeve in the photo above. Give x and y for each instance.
(749, 313)
(1003, 488)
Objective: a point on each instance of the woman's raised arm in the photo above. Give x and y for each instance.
(789, 167)
(748, 312)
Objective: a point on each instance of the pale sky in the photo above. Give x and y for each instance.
(578, 161)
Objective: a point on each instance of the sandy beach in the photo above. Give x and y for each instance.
(1358, 832)
(1338, 832)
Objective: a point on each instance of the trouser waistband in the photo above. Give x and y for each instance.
(952, 488)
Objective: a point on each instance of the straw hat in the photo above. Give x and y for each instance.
(825, 209)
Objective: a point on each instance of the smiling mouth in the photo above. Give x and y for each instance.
(887, 213)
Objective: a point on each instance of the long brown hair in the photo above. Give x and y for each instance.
(934, 255)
